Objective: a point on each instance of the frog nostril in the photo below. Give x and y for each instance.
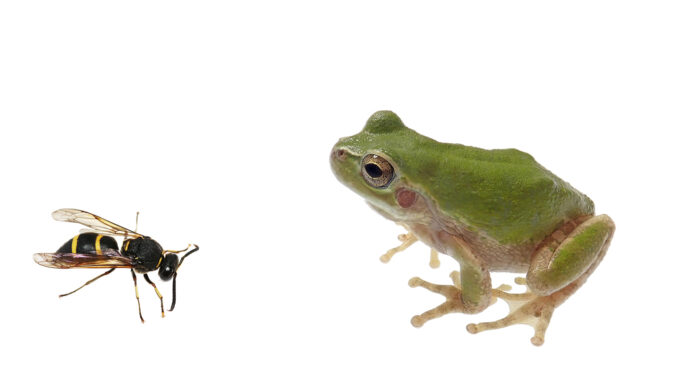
(340, 154)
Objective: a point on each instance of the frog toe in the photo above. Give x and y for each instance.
(434, 259)
(449, 291)
(441, 310)
(407, 240)
(535, 313)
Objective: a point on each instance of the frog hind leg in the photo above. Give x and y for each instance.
(558, 268)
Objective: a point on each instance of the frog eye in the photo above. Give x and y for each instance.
(377, 171)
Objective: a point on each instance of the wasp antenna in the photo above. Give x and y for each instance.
(174, 292)
(187, 254)
(174, 278)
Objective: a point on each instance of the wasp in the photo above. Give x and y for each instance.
(94, 247)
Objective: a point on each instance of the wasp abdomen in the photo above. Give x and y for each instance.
(89, 243)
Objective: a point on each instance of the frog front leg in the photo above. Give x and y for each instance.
(558, 268)
(407, 240)
(473, 294)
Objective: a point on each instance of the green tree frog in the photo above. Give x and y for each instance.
(491, 210)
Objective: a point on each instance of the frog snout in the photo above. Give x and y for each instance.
(338, 160)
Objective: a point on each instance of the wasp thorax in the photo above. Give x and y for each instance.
(145, 253)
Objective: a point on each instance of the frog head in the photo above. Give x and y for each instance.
(373, 163)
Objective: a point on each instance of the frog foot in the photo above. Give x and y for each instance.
(454, 301)
(526, 308)
(407, 240)
(452, 293)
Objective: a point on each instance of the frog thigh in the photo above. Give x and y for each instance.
(573, 260)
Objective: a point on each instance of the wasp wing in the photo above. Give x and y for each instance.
(109, 258)
(94, 222)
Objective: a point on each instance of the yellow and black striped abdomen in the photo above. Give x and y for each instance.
(89, 243)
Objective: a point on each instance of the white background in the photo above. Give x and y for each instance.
(215, 121)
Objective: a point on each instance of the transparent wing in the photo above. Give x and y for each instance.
(110, 258)
(94, 222)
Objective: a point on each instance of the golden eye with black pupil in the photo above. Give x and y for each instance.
(376, 171)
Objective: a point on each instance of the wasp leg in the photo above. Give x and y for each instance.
(139, 306)
(146, 276)
(88, 282)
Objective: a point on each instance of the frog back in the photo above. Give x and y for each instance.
(504, 193)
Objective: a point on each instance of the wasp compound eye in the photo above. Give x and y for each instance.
(168, 266)
(377, 171)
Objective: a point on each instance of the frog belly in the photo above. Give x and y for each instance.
(495, 256)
